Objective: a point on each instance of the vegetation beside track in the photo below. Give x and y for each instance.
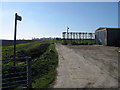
(45, 68)
(76, 42)
(44, 61)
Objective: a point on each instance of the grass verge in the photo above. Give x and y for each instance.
(44, 68)
(75, 42)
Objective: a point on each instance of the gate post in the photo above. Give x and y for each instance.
(29, 75)
(119, 69)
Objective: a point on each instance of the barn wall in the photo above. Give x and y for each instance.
(101, 37)
(108, 36)
(113, 37)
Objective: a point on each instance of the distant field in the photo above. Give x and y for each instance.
(11, 42)
(21, 49)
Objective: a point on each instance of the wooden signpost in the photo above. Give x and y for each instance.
(17, 17)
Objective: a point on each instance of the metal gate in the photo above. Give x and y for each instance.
(16, 76)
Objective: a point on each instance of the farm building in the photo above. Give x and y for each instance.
(108, 36)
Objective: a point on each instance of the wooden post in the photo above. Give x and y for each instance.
(68, 36)
(15, 38)
(77, 37)
(71, 36)
(91, 37)
(80, 38)
(118, 69)
(29, 78)
(16, 18)
(86, 42)
(83, 37)
(74, 37)
(67, 32)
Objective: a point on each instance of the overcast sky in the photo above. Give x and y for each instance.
(50, 19)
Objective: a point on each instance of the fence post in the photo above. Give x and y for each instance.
(119, 69)
(29, 78)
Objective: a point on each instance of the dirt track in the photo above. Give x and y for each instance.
(87, 67)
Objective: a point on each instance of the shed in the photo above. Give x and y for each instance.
(107, 36)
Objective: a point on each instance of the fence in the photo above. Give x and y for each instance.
(16, 76)
(78, 35)
(119, 69)
(81, 38)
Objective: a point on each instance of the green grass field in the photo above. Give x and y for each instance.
(7, 51)
(44, 62)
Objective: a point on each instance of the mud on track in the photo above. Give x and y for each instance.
(87, 67)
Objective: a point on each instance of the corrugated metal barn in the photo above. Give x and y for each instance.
(108, 36)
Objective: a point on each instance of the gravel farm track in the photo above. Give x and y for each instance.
(87, 66)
